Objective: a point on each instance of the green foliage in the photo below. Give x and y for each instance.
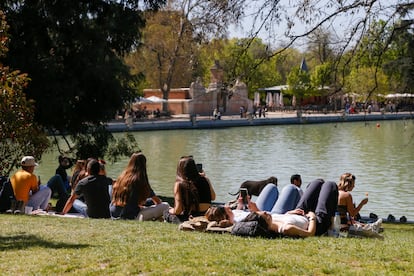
(246, 60)
(92, 144)
(381, 64)
(19, 133)
(168, 45)
(372, 47)
(123, 146)
(321, 75)
(299, 84)
(100, 144)
(209, 53)
(399, 61)
(171, 39)
(364, 81)
(53, 245)
(72, 52)
(384, 61)
(285, 61)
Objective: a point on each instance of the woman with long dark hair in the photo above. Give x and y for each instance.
(193, 192)
(131, 191)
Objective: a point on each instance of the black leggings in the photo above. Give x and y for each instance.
(321, 198)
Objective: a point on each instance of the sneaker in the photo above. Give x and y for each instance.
(356, 231)
(376, 226)
(19, 207)
(12, 207)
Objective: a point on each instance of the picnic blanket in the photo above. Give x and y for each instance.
(44, 213)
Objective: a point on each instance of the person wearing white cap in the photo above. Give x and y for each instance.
(26, 187)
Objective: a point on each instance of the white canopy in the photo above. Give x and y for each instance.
(405, 95)
(155, 99)
(142, 100)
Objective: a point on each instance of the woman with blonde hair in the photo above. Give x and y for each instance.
(345, 202)
(131, 191)
(348, 211)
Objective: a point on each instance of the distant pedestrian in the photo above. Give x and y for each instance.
(215, 114)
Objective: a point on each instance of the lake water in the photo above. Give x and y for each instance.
(382, 158)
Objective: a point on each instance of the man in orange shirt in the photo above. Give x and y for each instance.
(26, 187)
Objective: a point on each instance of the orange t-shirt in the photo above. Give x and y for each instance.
(23, 182)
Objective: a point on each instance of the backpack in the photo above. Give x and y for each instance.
(6, 194)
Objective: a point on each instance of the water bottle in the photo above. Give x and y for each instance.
(337, 225)
(350, 220)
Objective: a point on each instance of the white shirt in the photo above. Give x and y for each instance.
(239, 215)
(292, 219)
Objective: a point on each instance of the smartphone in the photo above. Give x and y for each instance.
(199, 167)
(243, 194)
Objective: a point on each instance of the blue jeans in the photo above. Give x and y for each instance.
(267, 198)
(80, 207)
(57, 185)
(40, 199)
(288, 199)
(270, 200)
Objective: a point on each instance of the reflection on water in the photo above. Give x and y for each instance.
(380, 157)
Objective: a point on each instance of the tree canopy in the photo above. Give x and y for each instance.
(72, 51)
(349, 22)
(19, 134)
(174, 32)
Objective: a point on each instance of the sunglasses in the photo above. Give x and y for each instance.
(186, 156)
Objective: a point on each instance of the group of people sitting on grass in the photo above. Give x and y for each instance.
(293, 212)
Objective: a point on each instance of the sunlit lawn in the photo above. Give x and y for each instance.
(40, 245)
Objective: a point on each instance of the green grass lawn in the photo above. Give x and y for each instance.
(41, 245)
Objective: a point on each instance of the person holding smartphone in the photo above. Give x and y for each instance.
(244, 194)
(193, 192)
(312, 217)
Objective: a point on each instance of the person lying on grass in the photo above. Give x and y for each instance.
(312, 217)
(294, 223)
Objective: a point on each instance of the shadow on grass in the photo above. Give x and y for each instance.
(17, 242)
